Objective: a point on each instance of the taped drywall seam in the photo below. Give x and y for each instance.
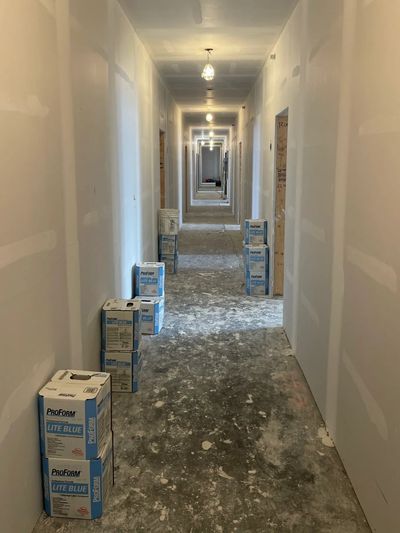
(375, 269)
(22, 396)
(299, 171)
(69, 184)
(313, 231)
(312, 312)
(374, 412)
(35, 244)
(339, 212)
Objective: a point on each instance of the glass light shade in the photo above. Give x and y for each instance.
(209, 117)
(208, 72)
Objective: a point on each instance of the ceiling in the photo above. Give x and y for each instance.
(176, 32)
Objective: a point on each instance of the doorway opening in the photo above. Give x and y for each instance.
(162, 169)
(281, 129)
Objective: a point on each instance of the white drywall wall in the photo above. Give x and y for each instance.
(79, 153)
(334, 71)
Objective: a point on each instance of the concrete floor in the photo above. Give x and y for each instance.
(224, 434)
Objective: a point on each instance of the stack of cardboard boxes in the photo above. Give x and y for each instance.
(168, 239)
(121, 337)
(76, 443)
(256, 257)
(149, 282)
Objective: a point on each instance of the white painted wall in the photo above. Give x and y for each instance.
(334, 70)
(81, 105)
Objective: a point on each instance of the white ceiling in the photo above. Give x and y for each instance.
(242, 32)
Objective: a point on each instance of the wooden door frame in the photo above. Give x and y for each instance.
(280, 291)
(163, 181)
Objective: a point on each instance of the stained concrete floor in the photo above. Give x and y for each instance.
(224, 434)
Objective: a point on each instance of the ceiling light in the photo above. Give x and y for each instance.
(211, 134)
(208, 70)
(209, 117)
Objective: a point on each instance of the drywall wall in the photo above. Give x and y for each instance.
(81, 107)
(334, 72)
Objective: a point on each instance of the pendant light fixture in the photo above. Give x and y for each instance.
(208, 70)
(209, 117)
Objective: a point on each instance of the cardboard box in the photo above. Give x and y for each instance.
(82, 377)
(168, 222)
(121, 321)
(255, 231)
(152, 314)
(125, 368)
(75, 418)
(256, 258)
(168, 244)
(149, 279)
(171, 263)
(74, 488)
(256, 283)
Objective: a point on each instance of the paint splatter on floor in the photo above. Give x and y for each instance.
(224, 435)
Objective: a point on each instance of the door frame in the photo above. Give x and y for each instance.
(282, 114)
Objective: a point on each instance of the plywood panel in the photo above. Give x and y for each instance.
(162, 169)
(280, 198)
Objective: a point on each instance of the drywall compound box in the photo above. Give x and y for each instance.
(171, 263)
(75, 418)
(152, 314)
(149, 279)
(121, 325)
(168, 244)
(256, 258)
(83, 377)
(256, 283)
(74, 488)
(255, 231)
(125, 368)
(168, 221)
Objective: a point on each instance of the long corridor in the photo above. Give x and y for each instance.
(224, 434)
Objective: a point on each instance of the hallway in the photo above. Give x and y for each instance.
(223, 435)
(124, 123)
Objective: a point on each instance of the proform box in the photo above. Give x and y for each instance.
(255, 231)
(121, 325)
(75, 418)
(149, 279)
(256, 283)
(152, 314)
(168, 244)
(74, 488)
(171, 263)
(168, 222)
(125, 368)
(256, 258)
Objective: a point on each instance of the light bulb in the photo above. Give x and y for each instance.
(209, 117)
(208, 72)
(203, 143)
(211, 134)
